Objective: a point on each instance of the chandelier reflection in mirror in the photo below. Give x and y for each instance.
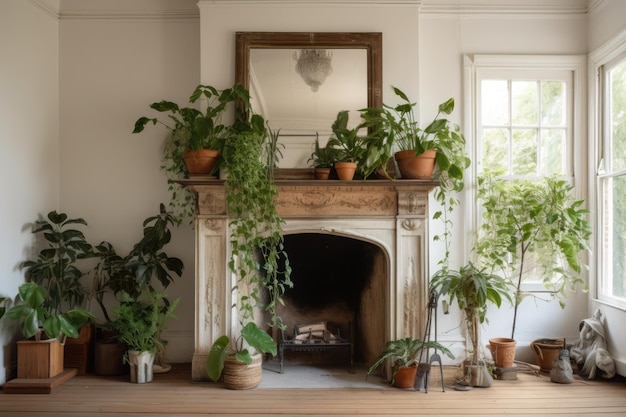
(313, 65)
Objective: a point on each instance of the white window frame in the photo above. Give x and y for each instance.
(477, 67)
(604, 55)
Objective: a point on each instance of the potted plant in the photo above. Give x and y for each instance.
(56, 269)
(348, 145)
(473, 288)
(532, 223)
(138, 323)
(45, 323)
(405, 356)
(441, 142)
(322, 159)
(196, 138)
(115, 275)
(257, 254)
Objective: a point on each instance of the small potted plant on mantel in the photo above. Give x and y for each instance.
(322, 159)
(196, 138)
(441, 143)
(531, 223)
(348, 145)
(256, 233)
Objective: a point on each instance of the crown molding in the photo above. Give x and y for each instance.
(506, 7)
(312, 3)
(127, 10)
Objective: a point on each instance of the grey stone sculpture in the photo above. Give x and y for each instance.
(561, 371)
(590, 353)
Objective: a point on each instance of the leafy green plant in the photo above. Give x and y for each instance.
(191, 128)
(35, 313)
(256, 234)
(140, 321)
(347, 143)
(405, 352)
(55, 267)
(533, 226)
(473, 289)
(322, 156)
(146, 264)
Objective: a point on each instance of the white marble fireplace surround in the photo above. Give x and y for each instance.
(393, 215)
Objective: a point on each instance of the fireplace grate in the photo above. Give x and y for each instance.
(315, 337)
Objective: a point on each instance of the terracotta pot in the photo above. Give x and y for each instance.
(345, 170)
(322, 173)
(238, 375)
(416, 167)
(546, 350)
(503, 351)
(201, 161)
(405, 376)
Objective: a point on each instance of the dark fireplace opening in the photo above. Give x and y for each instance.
(341, 281)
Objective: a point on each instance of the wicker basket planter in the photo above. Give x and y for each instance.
(238, 375)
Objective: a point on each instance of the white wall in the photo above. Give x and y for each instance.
(29, 142)
(112, 68)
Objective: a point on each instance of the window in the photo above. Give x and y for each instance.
(524, 125)
(612, 182)
(528, 114)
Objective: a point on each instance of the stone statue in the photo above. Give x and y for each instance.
(590, 353)
(561, 371)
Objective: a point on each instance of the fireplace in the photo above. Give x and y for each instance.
(380, 226)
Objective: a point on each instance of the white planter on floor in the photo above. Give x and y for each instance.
(140, 366)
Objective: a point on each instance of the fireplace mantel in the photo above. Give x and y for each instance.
(327, 198)
(390, 214)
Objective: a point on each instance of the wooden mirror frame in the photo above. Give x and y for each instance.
(371, 41)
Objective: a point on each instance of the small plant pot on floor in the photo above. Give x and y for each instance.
(546, 351)
(140, 366)
(503, 351)
(109, 358)
(239, 375)
(405, 376)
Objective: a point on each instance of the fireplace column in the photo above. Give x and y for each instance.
(214, 280)
(411, 281)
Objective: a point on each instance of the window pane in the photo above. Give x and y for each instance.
(617, 97)
(552, 151)
(495, 151)
(524, 103)
(495, 102)
(553, 103)
(524, 152)
(618, 285)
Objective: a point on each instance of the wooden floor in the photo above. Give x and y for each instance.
(173, 394)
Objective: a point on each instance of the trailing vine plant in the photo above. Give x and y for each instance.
(256, 225)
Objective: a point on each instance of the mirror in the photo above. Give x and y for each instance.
(299, 81)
